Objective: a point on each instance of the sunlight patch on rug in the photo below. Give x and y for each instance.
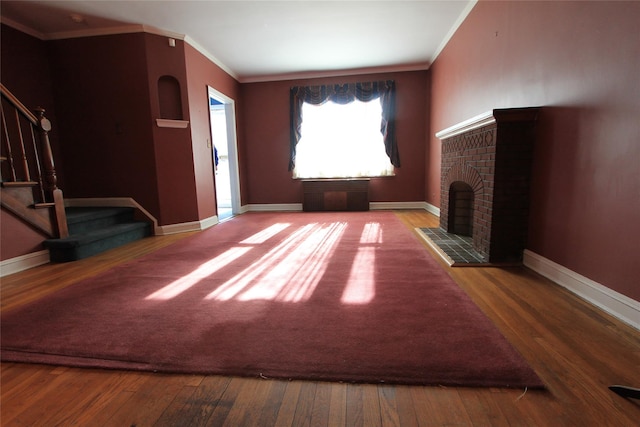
(361, 286)
(179, 286)
(290, 271)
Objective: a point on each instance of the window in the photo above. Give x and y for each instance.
(341, 140)
(342, 131)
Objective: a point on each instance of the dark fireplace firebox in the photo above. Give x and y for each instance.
(485, 179)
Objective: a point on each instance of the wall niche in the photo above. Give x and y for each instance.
(170, 100)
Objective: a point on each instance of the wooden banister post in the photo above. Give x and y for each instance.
(50, 178)
(44, 125)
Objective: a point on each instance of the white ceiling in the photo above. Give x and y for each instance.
(265, 40)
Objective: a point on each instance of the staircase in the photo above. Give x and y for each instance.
(28, 189)
(93, 230)
(28, 181)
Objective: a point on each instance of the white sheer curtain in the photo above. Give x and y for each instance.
(342, 140)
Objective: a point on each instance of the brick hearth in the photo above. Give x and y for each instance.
(485, 178)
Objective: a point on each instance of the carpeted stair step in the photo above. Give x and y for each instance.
(95, 230)
(81, 220)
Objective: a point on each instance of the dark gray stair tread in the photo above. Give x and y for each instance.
(99, 234)
(94, 230)
(81, 214)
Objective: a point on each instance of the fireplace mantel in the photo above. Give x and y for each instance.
(488, 158)
(476, 122)
(488, 118)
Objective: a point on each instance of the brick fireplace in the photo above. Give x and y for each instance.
(485, 176)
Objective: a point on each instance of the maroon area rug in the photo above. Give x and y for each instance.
(323, 296)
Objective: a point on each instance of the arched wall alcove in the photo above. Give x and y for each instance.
(169, 98)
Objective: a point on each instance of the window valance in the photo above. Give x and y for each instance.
(343, 94)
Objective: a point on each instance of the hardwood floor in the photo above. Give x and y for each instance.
(576, 349)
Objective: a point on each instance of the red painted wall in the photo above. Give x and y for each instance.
(102, 96)
(265, 109)
(171, 147)
(107, 95)
(202, 73)
(17, 237)
(25, 72)
(580, 61)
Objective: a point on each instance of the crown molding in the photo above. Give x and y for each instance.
(76, 34)
(138, 28)
(22, 28)
(463, 15)
(335, 73)
(123, 29)
(197, 46)
(110, 31)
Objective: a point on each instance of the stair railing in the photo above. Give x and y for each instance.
(34, 158)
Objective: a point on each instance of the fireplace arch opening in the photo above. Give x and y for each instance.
(461, 199)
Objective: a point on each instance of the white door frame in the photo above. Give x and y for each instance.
(232, 144)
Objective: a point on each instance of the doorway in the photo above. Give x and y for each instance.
(224, 153)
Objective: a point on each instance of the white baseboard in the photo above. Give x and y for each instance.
(374, 206)
(209, 222)
(612, 302)
(620, 306)
(23, 262)
(185, 227)
(432, 209)
(297, 207)
(406, 205)
(159, 230)
(274, 207)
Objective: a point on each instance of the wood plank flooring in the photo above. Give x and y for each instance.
(576, 349)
